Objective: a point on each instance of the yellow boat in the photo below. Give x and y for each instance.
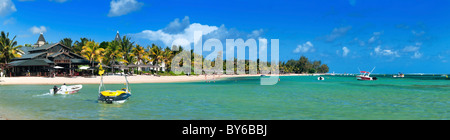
(112, 96)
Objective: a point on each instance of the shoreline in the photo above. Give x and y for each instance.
(109, 80)
(139, 79)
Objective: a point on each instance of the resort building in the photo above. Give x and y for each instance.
(41, 41)
(47, 60)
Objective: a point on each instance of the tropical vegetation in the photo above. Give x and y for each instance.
(303, 65)
(8, 49)
(125, 52)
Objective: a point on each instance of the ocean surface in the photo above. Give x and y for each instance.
(293, 98)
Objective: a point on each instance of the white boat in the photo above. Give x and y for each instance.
(400, 75)
(69, 90)
(320, 78)
(365, 76)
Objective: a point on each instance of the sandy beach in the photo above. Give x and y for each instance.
(117, 79)
(109, 79)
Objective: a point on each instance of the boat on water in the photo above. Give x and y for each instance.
(399, 75)
(112, 96)
(365, 76)
(65, 90)
(320, 78)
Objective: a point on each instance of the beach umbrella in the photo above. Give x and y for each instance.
(103, 65)
(84, 68)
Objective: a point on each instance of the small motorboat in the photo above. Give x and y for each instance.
(112, 96)
(400, 75)
(320, 78)
(365, 76)
(68, 90)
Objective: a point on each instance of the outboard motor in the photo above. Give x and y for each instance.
(375, 78)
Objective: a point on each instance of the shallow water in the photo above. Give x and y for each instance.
(294, 98)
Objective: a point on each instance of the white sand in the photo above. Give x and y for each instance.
(116, 79)
(108, 79)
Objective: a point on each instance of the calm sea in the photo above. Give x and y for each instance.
(293, 98)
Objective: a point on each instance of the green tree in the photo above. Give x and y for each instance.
(67, 42)
(156, 54)
(323, 69)
(78, 45)
(92, 52)
(127, 46)
(168, 55)
(113, 53)
(8, 48)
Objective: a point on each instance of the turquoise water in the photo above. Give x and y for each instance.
(294, 98)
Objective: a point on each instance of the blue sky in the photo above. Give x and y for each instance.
(395, 36)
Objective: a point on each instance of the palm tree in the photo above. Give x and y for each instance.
(8, 48)
(140, 55)
(92, 52)
(156, 54)
(127, 46)
(113, 53)
(78, 45)
(168, 55)
(67, 42)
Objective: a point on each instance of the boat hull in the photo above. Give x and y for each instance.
(122, 98)
(70, 90)
(365, 78)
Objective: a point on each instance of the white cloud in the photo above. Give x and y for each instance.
(417, 55)
(176, 26)
(37, 30)
(421, 33)
(345, 51)
(60, 1)
(385, 52)
(168, 38)
(411, 48)
(123, 7)
(337, 32)
(256, 33)
(306, 47)
(9, 21)
(7, 7)
(375, 37)
(184, 30)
